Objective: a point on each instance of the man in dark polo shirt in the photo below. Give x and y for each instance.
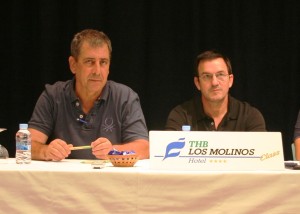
(89, 109)
(213, 109)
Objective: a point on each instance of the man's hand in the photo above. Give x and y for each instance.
(57, 150)
(101, 147)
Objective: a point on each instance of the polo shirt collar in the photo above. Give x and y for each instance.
(232, 112)
(232, 109)
(103, 96)
(105, 91)
(73, 96)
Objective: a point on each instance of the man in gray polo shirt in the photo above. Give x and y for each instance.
(89, 109)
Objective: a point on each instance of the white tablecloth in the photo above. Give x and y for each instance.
(71, 186)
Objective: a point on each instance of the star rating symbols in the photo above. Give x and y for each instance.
(217, 161)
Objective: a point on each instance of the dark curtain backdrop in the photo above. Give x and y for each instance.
(154, 47)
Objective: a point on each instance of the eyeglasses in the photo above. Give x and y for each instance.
(220, 76)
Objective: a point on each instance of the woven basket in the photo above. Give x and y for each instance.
(123, 160)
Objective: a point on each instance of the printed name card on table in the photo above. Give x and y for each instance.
(199, 150)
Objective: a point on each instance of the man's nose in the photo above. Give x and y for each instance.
(214, 80)
(97, 69)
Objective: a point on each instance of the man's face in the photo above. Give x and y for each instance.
(91, 69)
(213, 81)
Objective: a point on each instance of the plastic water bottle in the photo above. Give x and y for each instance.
(23, 145)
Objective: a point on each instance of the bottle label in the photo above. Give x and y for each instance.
(20, 146)
(23, 141)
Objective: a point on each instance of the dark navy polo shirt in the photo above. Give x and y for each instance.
(116, 115)
(240, 116)
(297, 127)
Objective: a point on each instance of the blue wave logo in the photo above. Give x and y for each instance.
(173, 146)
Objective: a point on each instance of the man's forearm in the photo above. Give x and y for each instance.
(297, 148)
(38, 151)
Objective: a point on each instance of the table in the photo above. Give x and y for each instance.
(71, 186)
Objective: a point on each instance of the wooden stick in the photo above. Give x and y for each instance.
(80, 147)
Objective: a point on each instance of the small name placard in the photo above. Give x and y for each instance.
(203, 150)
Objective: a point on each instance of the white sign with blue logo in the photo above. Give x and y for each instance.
(203, 150)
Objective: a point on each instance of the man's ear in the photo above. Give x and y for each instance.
(231, 80)
(72, 64)
(197, 83)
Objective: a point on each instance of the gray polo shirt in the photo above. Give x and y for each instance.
(116, 115)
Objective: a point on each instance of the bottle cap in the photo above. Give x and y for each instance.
(186, 128)
(23, 126)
